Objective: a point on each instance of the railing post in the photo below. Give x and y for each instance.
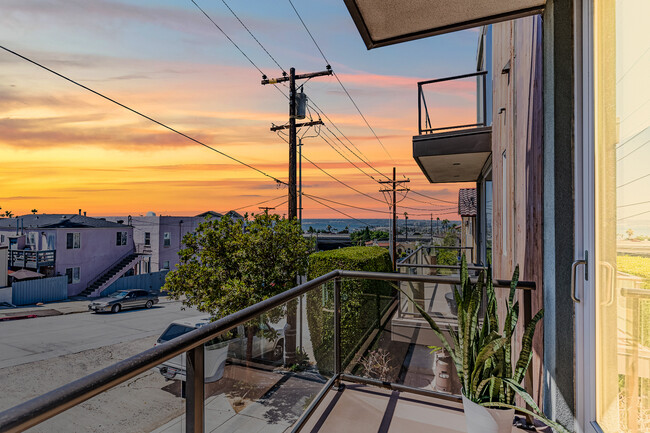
(419, 109)
(337, 331)
(485, 100)
(194, 393)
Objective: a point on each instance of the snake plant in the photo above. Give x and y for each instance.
(482, 352)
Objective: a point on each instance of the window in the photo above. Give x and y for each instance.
(31, 239)
(2, 238)
(73, 241)
(121, 238)
(166, 264)
(167, 239)
(147, 238)
(73, 274)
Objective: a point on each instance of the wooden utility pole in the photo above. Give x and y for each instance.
(393, 189)
(293, 126)
(266, 209)
(290, 332)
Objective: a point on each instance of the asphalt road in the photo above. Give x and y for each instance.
(42, 338)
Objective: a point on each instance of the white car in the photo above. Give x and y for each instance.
(269, 342)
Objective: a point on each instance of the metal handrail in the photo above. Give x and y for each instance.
(40, 409)
(422, 101)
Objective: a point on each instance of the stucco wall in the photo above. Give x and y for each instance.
(98, 252)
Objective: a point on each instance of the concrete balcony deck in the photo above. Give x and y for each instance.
(367, 409)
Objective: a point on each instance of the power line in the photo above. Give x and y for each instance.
(432, 198)
(253, 36)
(340, 82)
(633, 204)
(334, 209)
(634, 180)
(345, 157)
(257, 204)
(232, 158)
(635, 215)
(340, 181)
(237, 46)
(365, 161)
(628, 154)
(345, 204)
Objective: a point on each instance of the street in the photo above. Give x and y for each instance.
(41, 354)
(30, 340)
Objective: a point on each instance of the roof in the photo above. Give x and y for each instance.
(55, 221)
(24, 274)
(235, 214)
(211, 213)
(467, 202)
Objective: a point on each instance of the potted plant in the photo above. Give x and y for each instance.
(483, 355)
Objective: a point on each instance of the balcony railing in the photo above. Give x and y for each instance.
(342, 318)
(31, 258)
(481, 106)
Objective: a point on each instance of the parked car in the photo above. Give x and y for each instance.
(123, 299)
(267, 342)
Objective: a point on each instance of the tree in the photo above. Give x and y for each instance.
(229, 264)
(34, 211)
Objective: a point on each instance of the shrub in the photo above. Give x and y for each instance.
(362, 301)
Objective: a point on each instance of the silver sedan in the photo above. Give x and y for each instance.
(123, 299)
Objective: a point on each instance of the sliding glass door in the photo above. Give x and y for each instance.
(616, 223)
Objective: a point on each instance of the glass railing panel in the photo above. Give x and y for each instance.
(262, 375)
(143, 403)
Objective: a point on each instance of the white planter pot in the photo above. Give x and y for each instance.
(481, 419)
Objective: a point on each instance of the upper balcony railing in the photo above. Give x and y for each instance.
(425, 123)
(31, 258)
(305, 341)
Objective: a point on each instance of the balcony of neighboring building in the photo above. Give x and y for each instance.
(454, 131)
(31, 259)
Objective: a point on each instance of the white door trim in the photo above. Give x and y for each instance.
(585, 311)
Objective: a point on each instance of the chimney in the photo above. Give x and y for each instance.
(84, 213)
(79, 211)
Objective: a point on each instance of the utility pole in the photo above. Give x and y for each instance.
(406, 225)
(293, 126)
(290, 332)
(266, 209)
(431, 229)
(393, 189)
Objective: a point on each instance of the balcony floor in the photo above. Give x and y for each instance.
(367, 409)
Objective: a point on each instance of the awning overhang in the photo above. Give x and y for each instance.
(457, 156)
(387, 22)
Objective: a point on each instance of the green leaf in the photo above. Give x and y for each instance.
(526, 353)
(556, 426)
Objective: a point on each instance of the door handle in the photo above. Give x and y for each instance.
(574, 268)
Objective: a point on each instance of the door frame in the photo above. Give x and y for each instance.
(585, 233)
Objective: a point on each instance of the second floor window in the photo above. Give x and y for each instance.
(147, 238)
(73, 241)
(167, 239)
(121, 238)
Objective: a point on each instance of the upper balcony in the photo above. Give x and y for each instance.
(454, 133)
(31, 259)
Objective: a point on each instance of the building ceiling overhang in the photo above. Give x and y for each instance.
(387, 22)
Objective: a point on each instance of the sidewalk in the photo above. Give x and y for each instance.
(72, 306)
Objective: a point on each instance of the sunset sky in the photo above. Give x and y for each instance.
(63, 148)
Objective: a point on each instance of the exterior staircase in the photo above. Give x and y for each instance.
(112, 274)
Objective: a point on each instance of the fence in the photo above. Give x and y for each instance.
(42, 290)
(150, 282)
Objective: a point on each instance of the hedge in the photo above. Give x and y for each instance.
(362, 301)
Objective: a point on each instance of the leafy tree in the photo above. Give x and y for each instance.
(230, 264)
(34, 211)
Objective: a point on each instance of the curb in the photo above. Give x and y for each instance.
(28, 316)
